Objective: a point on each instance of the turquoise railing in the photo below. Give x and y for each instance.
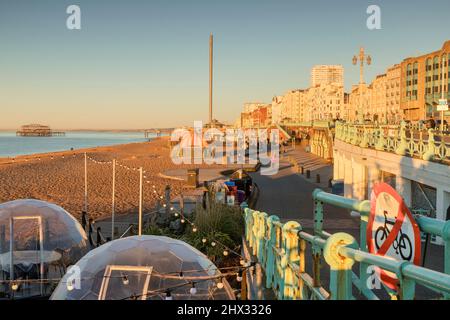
(403, 140)
(281, 249)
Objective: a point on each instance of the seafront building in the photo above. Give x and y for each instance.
(327, 74)
(409, 90)
(421, 84)
(325, 102)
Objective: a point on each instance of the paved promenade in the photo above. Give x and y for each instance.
(288, 194)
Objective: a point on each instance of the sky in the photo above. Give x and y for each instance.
(144, 64)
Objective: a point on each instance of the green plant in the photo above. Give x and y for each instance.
(157, 231)
(220, 224)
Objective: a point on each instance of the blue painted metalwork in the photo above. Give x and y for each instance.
(281, 250)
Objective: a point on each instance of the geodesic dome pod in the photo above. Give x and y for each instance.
(38, 241)
(144, 268)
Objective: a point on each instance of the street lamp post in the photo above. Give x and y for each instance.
(442, 91)
(362, 58)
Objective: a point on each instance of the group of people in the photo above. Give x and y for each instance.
(432, 124)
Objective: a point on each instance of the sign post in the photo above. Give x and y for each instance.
(392, 231)
(442, 107)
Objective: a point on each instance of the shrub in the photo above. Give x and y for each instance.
(218, 223)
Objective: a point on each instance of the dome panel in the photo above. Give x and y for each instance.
(45, 239)
(143, 267)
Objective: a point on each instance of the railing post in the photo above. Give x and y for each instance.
(364, 207)
(253, 239)
(364, 141)
(318, 216)
(340, 266)
(406, 287)
(446, 238)
(403, 145)
(269, 245)
(301, 269)
(248, 224)
(429, 154)
(380, 140)
(290, 256)
(260, 237)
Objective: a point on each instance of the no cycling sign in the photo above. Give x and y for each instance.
(392, 230)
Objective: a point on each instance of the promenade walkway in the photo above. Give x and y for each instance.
(288, 194)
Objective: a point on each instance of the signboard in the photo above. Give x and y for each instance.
(442, 106)
(220, 197)
(231, 200)
(392, 230)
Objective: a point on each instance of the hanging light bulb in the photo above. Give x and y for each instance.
(176, 214)
(164, 205)
(204, 240)
(213, 244)
(194, 229)
(168, 295)
(160, 197)
(172, 208)
(69, 286)
(219, 284)
(193, 290)
(125, 280)
(225, 253)
(239, 276)
(15, 286)
(183, 221)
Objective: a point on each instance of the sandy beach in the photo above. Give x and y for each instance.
(59, 177)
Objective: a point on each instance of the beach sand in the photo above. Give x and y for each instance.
(59, 178)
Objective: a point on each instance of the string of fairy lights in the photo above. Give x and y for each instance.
(189, 280)
(193, 281)
(177, 213)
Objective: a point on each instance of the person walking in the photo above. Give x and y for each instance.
(432, 123)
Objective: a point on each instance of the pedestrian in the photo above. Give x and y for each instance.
(432, 123)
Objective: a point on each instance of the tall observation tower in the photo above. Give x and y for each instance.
(211, 44)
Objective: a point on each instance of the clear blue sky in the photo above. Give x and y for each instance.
(141, 64)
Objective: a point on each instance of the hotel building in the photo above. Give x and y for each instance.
(421, 85)
(327, 74)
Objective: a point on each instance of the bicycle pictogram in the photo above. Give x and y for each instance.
(402, 244)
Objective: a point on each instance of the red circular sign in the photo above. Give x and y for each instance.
(392, 230)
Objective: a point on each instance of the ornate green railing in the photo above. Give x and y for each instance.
(404, 140)
(281, 249)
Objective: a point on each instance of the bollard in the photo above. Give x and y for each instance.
(317, 178)
(99, 239)
(308, 174)
(83, 220)
(91, 231)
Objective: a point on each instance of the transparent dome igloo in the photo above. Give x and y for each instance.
(38, 241)
(143, 268)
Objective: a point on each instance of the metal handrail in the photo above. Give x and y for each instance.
(280, 249)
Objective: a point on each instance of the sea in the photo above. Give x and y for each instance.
(12, 145)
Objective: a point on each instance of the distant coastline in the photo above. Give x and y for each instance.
(12, 146)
